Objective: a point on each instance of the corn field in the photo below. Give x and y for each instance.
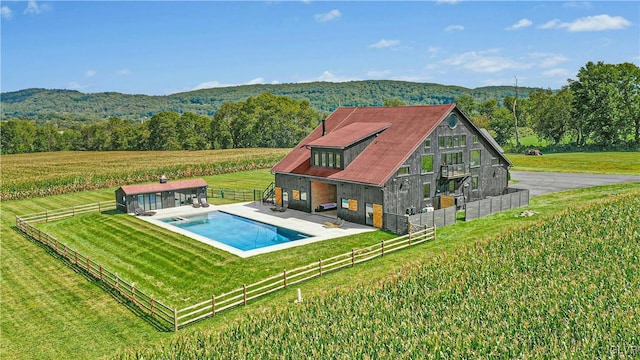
(566, 287)
(44, 174)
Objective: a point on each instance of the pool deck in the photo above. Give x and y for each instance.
(318, 225)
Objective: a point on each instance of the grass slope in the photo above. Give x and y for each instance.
(563, 287)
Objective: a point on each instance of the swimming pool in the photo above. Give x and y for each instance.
(238, 232)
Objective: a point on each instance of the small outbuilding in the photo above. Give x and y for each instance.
(165, 194)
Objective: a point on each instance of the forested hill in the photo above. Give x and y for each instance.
(323, 96)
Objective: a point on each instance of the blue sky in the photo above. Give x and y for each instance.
(162, 47)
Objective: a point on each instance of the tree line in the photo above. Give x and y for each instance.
(600, 109)
(264, 121)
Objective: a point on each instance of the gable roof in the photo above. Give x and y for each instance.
(348, 135)
(158, 187)
(408, 128)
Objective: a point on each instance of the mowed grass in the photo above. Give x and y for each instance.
(48, 311)
(565, 287)
(623, 163)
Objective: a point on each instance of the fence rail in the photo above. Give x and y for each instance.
(175, 319)
(232, 194)
(246, 293)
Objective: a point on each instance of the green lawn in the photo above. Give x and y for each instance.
(624, 163)
(48, 311)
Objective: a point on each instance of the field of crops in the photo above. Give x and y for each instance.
(567, 287)
(43, 174)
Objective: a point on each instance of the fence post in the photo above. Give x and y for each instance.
(57, 246)
(320, 266)
(89, 266)
(213, 305)
(46, 216)
(434, 232)
(65, 251)
(152, 305)
(73, 211)
(175, 320)
(244, 293)
(382, 247)
(352, 257)
(116, 284)
(285, 277)
(133, 292)
(76, 257)
(101, 273)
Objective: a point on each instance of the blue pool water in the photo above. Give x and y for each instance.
(241, 233)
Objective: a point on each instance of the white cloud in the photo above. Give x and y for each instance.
(210, 84)
(454, 28)
(522, 23)
(6, 13)
(590, 23)
(553, 24)
(557, 72)
(90, 73)
(576, 4)
(258, 80)
(547, 60)
(488, 61)
(433, 51)
(385, 44)
(34, 8)
(330, 77)
(74, 85)
(378, 73)
(331, 15)
(124, 72)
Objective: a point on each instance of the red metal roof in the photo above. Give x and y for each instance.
(348, 135)
(408, 127)
(158, 187)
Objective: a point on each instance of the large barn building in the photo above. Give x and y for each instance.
(362, 163)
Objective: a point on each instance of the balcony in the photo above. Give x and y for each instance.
(455, 171)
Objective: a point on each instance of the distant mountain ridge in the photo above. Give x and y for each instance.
(323, 96)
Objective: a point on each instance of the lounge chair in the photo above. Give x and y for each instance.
(196, 203)
(204, 202)
(141, 212)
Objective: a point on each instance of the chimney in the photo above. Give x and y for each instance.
(324, 129)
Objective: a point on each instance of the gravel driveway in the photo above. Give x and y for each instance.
(539, 183)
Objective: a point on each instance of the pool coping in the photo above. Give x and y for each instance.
(316, 225)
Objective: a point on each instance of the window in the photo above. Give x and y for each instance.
(452, 158)
(463, 140)
(426, 190)
(475, 139)
(331, 156)
(316, 159)
(452, 186)
(345, 203)
(453, 121)
(303, 196)
(427, 143)
(338, 163)
(441, 142)
(404, 170)
(324, 159)
(475, 158)
(474, 182)
(448, 142)
(427, 163)
(456, 141)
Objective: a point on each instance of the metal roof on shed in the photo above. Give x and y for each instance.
(158, 187)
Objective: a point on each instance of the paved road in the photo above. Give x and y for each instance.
(540, 183)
